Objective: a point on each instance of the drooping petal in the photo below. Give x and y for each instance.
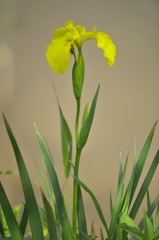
(108, 47)
(57, 54)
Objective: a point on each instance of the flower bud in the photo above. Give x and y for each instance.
(78, 76)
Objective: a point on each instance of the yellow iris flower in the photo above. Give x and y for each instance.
(67, 38)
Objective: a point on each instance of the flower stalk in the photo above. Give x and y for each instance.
(65, 41)
(75, 191)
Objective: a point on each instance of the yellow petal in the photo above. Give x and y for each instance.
(57, 54)
(69, 24)
(81, 30)
(106, 44)
(60, 32)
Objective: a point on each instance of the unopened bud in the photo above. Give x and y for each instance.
(78, 76)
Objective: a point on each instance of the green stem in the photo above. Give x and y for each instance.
(75, 191)
(77, 160)
(77, 116)
(66, 194)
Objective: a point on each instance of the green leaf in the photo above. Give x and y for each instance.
(24, 220)
(93, 235)
(9, 215)
(1, 237)
(86, 126)
(82, 226)
(156, 227)
(144, 186)
(50, 218)
(149, 212)
(127, 196)
(97, 206)
(62, 213)
(8, 172)
(142, 158)
(1, 223)
(86, 112)
(85, 236)
(156, 237)
(46, 186)
(118, 202)
(111, 204)
(101, 234)
(149, 233)
(148, 203)
(148, 199)
(124, 218)
(66, 143)
(133, 231)
(31, 204)
(125, 165)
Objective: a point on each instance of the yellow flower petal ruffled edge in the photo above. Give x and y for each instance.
(72, 37)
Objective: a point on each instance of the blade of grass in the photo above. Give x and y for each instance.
(86, 125)
(118, 202)
(62, 213)
(127, 196)
(50, 218)
(149, 203)
(101, 234)
(111, 204)
(148, 199)
(156, 226)
(82, 226)
(8, 172)
(24, 220)
(150, 211)
(156, 238)
(1, 237)
(96, 204)
(142, 158)
(1, 224)
(144, 186)
(85, 236)
(31, 204)
(135, 232)
(47, 186)
(148, 227)
(10, 218)
(66, 143)
(126, 163)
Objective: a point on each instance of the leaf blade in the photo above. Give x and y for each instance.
(32, 209)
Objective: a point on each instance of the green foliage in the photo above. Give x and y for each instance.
(31, 204)
(62, 213)
(53, 218)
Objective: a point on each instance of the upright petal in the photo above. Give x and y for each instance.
(57, 54)
(69, 24)
(60, 32)
(90, 35)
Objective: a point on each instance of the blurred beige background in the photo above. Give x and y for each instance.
(128, 103)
